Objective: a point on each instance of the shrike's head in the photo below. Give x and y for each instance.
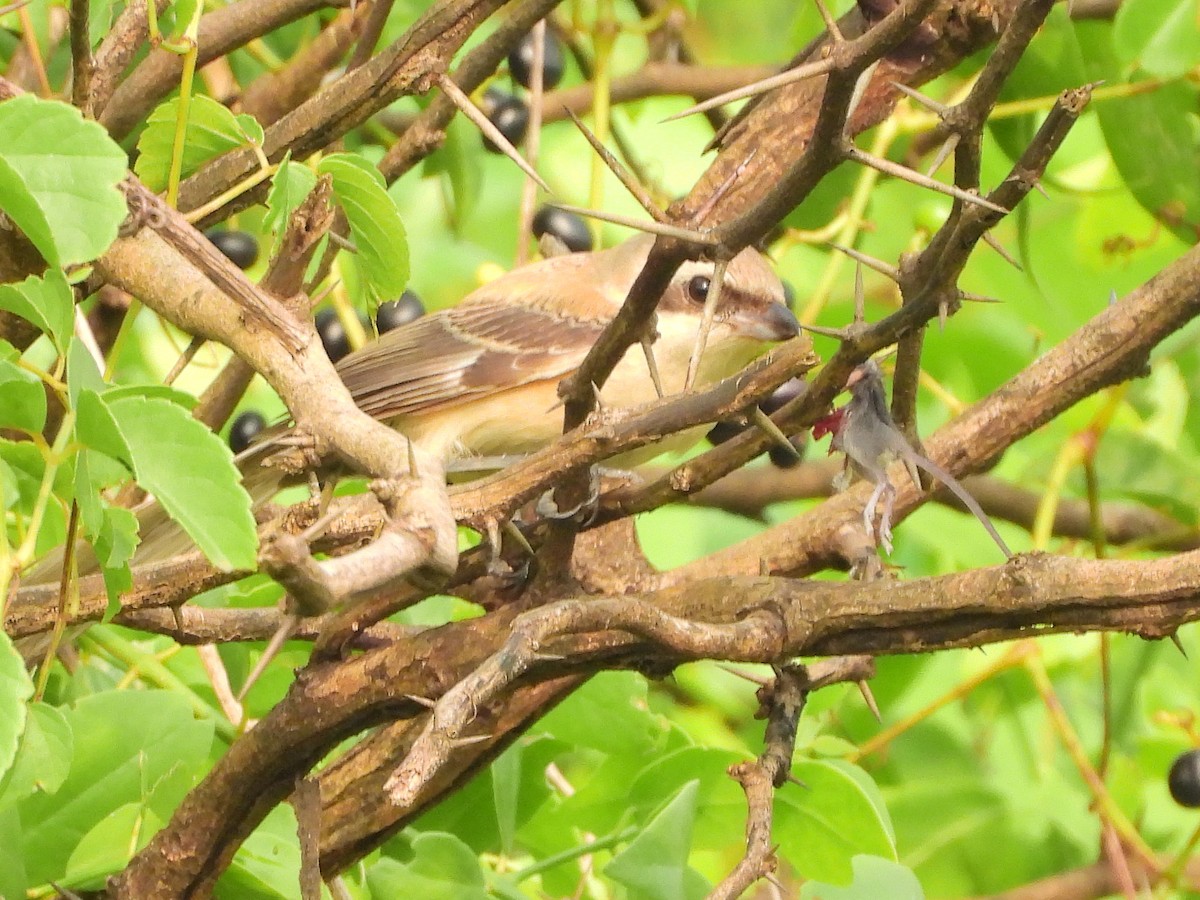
(751, 311)
(752, 304)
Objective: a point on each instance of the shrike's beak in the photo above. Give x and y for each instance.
(778, 324)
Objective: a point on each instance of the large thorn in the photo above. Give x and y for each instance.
(860, 90)
(940, 109)
(771, 430)
(282, 633)
(652, 365)
(943, 154)
(663, 228)
(903, 172)
(994, 242)
(869, 699)
(870, 262)
(636, 190)
(807, 70)
(484, 124)
(831, 25)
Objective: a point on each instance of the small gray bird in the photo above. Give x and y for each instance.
(865, 431)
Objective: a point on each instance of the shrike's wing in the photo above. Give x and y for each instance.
(483, 346)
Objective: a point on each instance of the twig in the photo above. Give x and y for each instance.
(457, 708)
(533, 137)
(81, 57)
(780, 702)
(711, 301)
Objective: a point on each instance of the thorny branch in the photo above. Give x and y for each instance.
(780, 702)
(651, 631)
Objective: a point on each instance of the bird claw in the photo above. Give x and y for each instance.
(548, 509)
(497, 566)
(509, 576)
(628, 477)
(885, 536)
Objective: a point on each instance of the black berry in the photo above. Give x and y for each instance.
(566, 226)
(724, 431)
(782, 459)
(333, 334)
(510, 115)
(492, 98)
(245, 428)
(395, 313)
(520, 61)
(1184, 779)
(786, 392)
(239, 246)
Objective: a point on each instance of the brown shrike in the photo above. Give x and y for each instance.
(482, 377)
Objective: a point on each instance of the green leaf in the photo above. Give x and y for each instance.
(1150, 137)
(493, 808)
(22, 399)
(160, 391)
(506, 790)
(43, 757)
(58, 179)
(13, 880)
(375, 225)
(654, 865)
(1160, 36)
(616, 698)
(191, 473)
(442, 868)
(112, 531)
(114, 544)
(185, 12)
(109, 845)
(1133, 467)
(45, 302)
(139, 747)
(212, 131)
(82, 372)
(28, 467)
(100, 16)
(93, 473)
(15, 689)
(267, 865)
(822, 826)
(291, 184)
(873, 878)
(95, 427)
(10, 491)
(459, 160)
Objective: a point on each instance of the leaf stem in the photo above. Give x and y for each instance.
(149, 669)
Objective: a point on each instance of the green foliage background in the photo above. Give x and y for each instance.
(972, 788)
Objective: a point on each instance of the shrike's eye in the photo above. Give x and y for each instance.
(697, 288)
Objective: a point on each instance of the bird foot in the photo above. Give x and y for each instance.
(547, 508)
(885, 536)
(497, 566)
